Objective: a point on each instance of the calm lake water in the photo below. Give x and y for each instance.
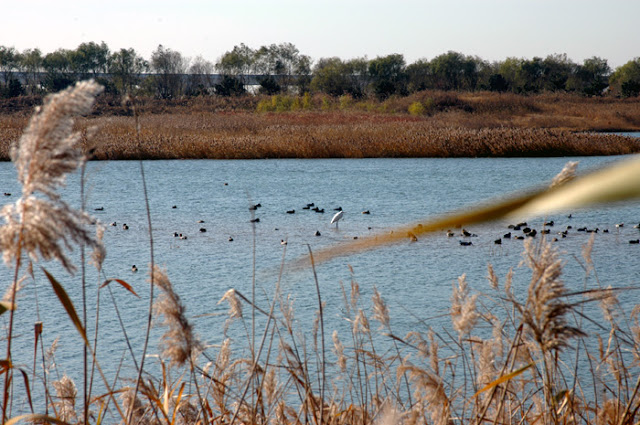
(414, 278)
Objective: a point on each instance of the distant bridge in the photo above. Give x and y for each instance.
(213, 79)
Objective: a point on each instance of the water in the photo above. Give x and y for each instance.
(414, 278)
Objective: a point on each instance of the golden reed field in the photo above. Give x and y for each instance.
(426, 124)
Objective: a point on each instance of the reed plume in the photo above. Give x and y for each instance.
(179, 343)
(40, 222)
(66, 405)
(546, 307)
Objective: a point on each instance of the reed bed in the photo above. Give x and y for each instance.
(508, 357)
(448, 124)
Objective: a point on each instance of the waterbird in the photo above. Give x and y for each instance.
(412, 237)
(498, 242)
(125, 227)
(338, 209)
(450, 234)
(337, 217)
(203, 230)
(465, 232)
(174, 207)
(291, 211)
(366, 212)
(7, 194)
(634, 241)
(507, 235)
(620, 225)
(230, 239)
(466, 243)
(99, 209)
(134, 268)
(183, 236)
(317, 233)
(283, 242)
(114, 224)
(255, 220)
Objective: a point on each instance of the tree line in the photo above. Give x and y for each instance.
(281, 68)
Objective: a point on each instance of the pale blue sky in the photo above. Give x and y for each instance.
(491, 29)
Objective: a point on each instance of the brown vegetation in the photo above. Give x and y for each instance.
(449, 124)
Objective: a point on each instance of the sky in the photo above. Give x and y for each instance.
(490, 29)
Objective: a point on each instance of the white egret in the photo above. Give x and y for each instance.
(336, 218)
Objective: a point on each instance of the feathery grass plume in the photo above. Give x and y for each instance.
(179, 343)
(99, 251)
(235, 306)
(10, 294)
(40, 223)
(429, 388)
(139, 410)
(567, 174)
(380, 309)
(545, 309)
(492, 277)
(66, 405)
(464, 314)
(339, 350)
(415, 339)
(587, 249)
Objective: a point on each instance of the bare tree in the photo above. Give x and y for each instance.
(169, 66)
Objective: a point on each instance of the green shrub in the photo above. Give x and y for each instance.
(417, 108)
(306, 101)
(345, 102)
(265, 106)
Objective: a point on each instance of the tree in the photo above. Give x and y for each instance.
(31, 65)
(126, 67)
(329, 76)
(90, 59)
(237, 63)
(336, 77)
(626, 79)
(455, 71)
(169, 66)
(590, 78)
(388, 75)
(529, 76)
(229, 86)
(420, 76)
(283, 63)
(59, 72)
(200, 76)
(557, 69)
(9, 63)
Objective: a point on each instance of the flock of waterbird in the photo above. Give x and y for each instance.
(339, 214)
(516, 231)
(523, 230)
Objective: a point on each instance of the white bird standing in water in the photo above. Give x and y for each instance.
(336, 218)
